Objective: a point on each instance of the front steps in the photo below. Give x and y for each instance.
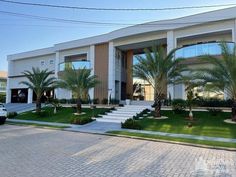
(123, 113)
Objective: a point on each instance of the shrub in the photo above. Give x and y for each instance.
(2, 98)
(179, 106)
(63, 101)
(104, 101)
(82, 120)
(96, 101)
(114, 101)
(11, 114)
(131, 124)
(2, 120)
(72, 101)
(212, 103)
(214, 112)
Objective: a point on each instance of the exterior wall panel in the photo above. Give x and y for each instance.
(19, 66)
(101, 70)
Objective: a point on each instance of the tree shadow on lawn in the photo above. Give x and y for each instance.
(205, 124)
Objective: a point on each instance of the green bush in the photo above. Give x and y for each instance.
(2, 98)
(82, 120)
(96, 101)
(131, 124)
(214, 111)
(212, 103)
(63, 101)
(114, 101)
(11, 114)
(179, 106)
(104, 101)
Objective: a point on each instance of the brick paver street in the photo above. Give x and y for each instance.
(33, 152)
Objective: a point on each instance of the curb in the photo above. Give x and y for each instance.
(156, 140)
(134, 137)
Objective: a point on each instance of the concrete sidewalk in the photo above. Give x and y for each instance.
(104, 127)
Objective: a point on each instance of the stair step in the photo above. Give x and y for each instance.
(109, 120)
(114, 117)
(120, 114)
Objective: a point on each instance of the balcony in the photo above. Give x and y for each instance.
(211, 48)
(75, 64)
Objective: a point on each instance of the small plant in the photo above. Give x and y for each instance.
(178, 106)
(2, 120)
(82, 121)
(214, 111)
(104, 101)
(56, 104)
(131, 124)
(63, 101)
(11, 114)
(114, 101)
(96, 101)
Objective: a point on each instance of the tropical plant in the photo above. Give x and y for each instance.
(158, 69)
(55, 103)
(221, 76)
(79, 81)
(190, 81)
(40, 81)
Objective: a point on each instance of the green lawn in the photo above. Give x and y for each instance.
(37, 125)
(205, 124)
(64, 115)
(191, 141)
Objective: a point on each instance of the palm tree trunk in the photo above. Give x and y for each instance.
(157, 106)
(78, 105)
(234, 110)
(38, 104)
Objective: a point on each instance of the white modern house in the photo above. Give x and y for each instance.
(111, 56)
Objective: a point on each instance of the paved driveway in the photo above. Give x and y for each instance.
(19, 107)
(32, 152)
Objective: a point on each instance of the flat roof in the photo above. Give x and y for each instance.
(155, 26)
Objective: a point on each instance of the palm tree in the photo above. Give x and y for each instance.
(221, 76)
(158, 69)
(79, 81)
(40, 82)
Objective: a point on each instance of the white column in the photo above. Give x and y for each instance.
(57, 61)
(92, 61)
(171, 44)
(30, 96)
(111, 70)
(8, 91)
(226, 95)
(234, 32)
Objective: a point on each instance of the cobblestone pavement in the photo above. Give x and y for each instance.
(34, 152)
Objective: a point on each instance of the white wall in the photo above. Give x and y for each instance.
(19, 66)
(75, 51)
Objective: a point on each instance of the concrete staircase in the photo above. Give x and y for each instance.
(122, 113)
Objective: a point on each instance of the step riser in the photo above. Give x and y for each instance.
(121, 114)
(113, 117)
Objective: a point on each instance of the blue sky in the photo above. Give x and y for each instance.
(19, 34)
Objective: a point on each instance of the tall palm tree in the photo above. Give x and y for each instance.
(221, 76)
(79, 81)
(158, 69)
(40, 82)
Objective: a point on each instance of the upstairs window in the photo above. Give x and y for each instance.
(42, 63)
(51, 62)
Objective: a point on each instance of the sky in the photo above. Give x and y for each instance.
(20, 34)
